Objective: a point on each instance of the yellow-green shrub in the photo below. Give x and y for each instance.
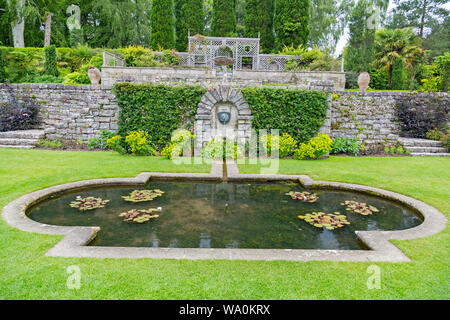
(286, 144)
(316, 148)
(181, 142)
(138, 142)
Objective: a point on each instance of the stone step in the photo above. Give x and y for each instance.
(16, 147)
(426, 149)
(22, 134)
(410, 142)
(18, 142)
(430, 154)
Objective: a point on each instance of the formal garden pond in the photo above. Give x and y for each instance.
(224, 215)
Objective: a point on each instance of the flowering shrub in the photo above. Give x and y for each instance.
(138, 143)
(286, 144)
(114, 143)
(222, 149)
(181, 142)
(316, 148)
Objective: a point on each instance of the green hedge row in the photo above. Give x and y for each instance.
(299, 113)
(156, 109)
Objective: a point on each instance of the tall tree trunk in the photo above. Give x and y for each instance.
(48, 28)
(18, 24)
(422, 18)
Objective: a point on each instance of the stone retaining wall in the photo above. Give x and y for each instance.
(70, 112)
(370, 117)
(206, 77)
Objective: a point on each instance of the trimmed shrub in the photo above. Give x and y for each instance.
(156, 109)
(51, 67)
(398, 75)
(345, 145)
(316, 148)
(299, 113)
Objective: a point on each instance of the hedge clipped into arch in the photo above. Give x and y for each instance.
(299, 113)
(156, 109)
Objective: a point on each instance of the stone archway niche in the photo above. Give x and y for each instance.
(222, 99)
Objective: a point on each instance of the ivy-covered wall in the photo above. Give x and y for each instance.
(157, 109)
(301, 113)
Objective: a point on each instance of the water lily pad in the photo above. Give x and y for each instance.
(303, 196)
(359, 207)
(88, 203)
(140, 216)
(143, 195)
(329, 221)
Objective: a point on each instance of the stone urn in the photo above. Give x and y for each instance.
(94, 75)
(363, 81)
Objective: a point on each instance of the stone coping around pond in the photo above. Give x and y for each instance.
(76, 239)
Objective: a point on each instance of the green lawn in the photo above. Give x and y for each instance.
(25, 273)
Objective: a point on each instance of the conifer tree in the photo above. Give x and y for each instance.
(189, 17)
(259, 20)
(291, 23)
(162, 25)
(224, 19)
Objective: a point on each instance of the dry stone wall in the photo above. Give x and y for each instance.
(371, 116)
(70, 112)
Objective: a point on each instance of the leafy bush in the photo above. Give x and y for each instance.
(101, 141)
(138, 142)
(436, 77)
(345, 145)
(313, 59)
(316, 148)
(115, 143)
(446, 141)
(49, 143)
(77, 78)
(156, 109)
(51, 67)
(286, 145)
(417, 118)
(299, 113)
(182, 140)
(42, 79)
(222, 149)
(18, 116)
(435, 134)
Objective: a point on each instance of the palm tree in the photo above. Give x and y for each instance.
(391, 44)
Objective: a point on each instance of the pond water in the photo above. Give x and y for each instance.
(224, 215)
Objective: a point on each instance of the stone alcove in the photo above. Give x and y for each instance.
(222, 99)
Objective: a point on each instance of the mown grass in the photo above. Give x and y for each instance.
(25, 272)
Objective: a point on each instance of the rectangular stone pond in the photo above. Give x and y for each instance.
(224, 215)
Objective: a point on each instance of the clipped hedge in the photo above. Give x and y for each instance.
(156, 109)
(299, 113)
